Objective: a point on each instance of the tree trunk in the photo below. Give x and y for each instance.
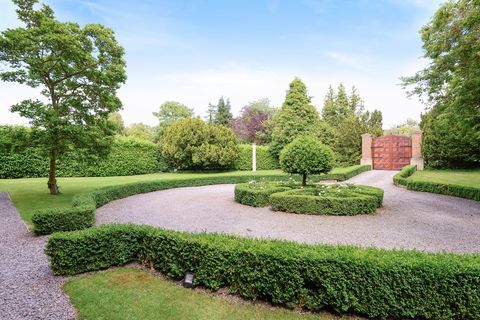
(52, 181)
(304, 179)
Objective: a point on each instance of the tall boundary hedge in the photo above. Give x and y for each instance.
(82, 213)
(265, 161)
(128, 156)
(455, 190)
(372, 282)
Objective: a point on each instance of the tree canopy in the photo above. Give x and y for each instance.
(306, 155)
(78, 70)
(252, 124)
(191, 143)
(297, 117)
(171, 111)
(347, 116)
(450, 85)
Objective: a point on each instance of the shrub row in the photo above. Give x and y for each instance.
(455, 190)
(329, 200)
(82, 213)
(401, 177)
(265, 161)
(372, 282)
(127, 157)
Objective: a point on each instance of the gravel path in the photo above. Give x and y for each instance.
(28, 290)
(408, 219)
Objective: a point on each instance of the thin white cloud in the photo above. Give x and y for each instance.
(344, 58)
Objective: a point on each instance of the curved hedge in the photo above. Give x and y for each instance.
(344, 200)
(401, 177)
(455, 190)
(257, 197)
(372, 282)
(82, 213)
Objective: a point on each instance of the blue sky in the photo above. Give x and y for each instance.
(195, 51)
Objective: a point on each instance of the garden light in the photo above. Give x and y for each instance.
(188, 279)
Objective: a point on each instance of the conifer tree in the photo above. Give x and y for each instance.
(223, 115)
(297, 117)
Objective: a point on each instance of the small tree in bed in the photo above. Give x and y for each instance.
(306, 155)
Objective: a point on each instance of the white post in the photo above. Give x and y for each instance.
(254, 157)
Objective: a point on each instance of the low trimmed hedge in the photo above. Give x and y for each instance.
(348, 172)
(372, 282)
(401, 177)
(455, 190)
(342, 200)
(82, 213)
(446, 189)
(256, 197)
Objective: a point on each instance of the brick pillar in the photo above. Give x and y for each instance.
(417, 158)
(366, 149)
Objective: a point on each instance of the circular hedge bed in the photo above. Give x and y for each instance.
(336, 199)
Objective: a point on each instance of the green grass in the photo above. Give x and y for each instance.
(469, 178)
(129, 293)
(31, 194)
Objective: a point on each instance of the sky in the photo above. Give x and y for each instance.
(194, 51)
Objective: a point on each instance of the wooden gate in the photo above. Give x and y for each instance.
(391, 152)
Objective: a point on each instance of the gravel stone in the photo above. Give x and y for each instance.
(407, 220)
(28, 289)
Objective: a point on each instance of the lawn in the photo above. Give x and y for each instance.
(31, 194)
(129, 293)
(469, 178)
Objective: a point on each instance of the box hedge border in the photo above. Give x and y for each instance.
(365, 200)
(82, 213)
(255, 197)
(401, 177)
(455, 190)
(373, 282)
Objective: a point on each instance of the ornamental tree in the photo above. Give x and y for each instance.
(306, 155)
(193, 144)
(78, 70)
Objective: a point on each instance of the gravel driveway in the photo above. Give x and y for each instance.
(408, 219)
(28, 289)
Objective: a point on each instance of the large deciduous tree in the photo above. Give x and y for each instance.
(297, 117)
(450, 86)
(78, 70)
(171, 111)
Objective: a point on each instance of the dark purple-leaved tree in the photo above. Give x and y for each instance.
(252, 124)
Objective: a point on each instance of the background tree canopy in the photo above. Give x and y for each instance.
(78, 70)
(450, 86)
(253, 123)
